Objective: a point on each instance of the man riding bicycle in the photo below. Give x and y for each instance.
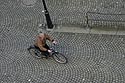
(40, 43)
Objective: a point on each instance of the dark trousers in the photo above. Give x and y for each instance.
(46, 53)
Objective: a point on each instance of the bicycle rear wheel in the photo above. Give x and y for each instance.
(34, 52)
(60, 58)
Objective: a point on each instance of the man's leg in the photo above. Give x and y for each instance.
(37, 51)
(46, 53)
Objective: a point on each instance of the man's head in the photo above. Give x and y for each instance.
(42, 29)
(41, 34)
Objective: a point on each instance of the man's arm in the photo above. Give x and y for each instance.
(49, 38)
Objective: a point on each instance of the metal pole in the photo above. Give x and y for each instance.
(87, 21)
(48, 19)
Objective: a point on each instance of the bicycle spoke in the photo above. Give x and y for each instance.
(34, 53)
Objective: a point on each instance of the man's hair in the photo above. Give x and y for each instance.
(42, 28)
(41, 31)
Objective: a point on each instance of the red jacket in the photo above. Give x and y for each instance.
(41, 41)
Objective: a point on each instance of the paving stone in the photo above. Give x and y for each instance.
(92, 58)
(70, 12)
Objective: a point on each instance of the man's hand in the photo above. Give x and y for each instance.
(54, 42)
(49, 51)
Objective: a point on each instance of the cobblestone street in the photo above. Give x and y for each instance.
(93, 56)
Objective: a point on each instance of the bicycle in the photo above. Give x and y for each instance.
(58, 57)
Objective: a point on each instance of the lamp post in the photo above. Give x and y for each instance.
(48, 19)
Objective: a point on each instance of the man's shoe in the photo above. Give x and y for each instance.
(47, 57)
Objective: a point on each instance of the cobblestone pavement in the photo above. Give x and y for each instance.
(62, 12)
(92, 58)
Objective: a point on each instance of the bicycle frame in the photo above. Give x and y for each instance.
(58, 57)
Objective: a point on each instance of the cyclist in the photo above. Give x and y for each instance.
(40, 43)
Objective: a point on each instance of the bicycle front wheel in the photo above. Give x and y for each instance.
(60, 58)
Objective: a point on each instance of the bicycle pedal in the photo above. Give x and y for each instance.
(38, 55)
